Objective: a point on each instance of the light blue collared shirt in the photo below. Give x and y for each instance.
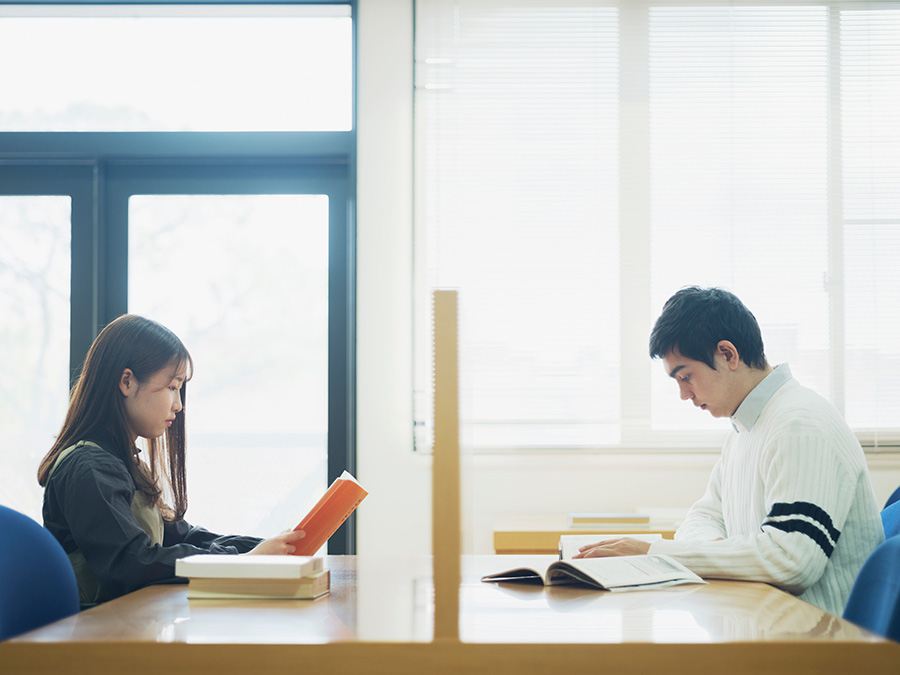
(752, 406)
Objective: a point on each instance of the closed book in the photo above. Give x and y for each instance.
(592, 519)
(209, 566)
(323, 520)
(304, 588)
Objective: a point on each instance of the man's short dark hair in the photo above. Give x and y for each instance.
(695, 320)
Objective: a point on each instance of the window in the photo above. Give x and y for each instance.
(577, 162)
(35, 252)
(177, 67)
(243, 281)
(213, 193)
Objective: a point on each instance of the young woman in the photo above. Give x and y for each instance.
(121, 518)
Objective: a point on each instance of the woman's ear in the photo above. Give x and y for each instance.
(127, 382)
(730, 353)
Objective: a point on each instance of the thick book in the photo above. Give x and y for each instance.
(253, 576)
(211, 566)
(605, 518)
(323, 520)
(625, 573)
(304, 588)
(570, 543)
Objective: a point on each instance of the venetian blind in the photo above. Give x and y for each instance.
(578, 162)
(869, 71)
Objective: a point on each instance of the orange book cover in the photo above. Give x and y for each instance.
(323, 520)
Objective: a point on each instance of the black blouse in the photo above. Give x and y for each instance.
(87, 507)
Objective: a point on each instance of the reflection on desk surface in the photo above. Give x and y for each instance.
(391, 599)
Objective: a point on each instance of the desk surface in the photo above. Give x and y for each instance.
(381, 608)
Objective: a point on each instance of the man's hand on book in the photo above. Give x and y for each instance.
(613, 547)
(283, 544)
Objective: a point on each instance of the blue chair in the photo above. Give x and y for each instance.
(37, 583)
(890, 519)
(874, 602)
(895, 497)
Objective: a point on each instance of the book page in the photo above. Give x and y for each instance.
(625, 572)
(526, 574)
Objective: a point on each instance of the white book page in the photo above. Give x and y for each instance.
(635, 571)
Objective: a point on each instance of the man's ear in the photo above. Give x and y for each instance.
(729, 352)
(127, 382)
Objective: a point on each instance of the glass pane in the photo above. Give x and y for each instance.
(517, 204)
(738, 137)
(872, 326)
(870, 125)
(176, 68)
(870, 150)
(35, 272)
(243, 281)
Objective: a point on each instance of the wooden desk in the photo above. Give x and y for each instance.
(379, 616)
(527, 535)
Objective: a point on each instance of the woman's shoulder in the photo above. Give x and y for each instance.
(88, 457)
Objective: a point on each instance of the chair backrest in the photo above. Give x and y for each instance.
(875, 599)
(895, 497)
(890, 519)
(37, 583)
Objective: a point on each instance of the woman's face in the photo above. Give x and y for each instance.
(151, 405)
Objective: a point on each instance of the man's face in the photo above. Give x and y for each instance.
(709, 389)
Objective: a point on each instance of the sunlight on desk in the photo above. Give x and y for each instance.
(379, 617)
(370, 595)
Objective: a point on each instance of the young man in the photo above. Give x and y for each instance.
(789, 501)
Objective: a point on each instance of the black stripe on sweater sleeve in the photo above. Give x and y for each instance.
(807, 528)
(809, 510)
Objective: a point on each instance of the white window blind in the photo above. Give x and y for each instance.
(578, 162)
(870, 130)
(738, 189)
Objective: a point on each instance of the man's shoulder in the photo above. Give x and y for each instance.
(799, 411)
(793, 398)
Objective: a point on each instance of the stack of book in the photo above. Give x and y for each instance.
(603, 518)
(233, 577)
(300, 575)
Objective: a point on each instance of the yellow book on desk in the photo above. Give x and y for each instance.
(607, 518)
(305, 588)
(253, 577)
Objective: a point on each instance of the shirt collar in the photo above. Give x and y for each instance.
(752, 406)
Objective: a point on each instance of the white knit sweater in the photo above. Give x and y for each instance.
(790, 495)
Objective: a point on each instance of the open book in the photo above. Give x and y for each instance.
(570, 543)
(625, 573)
(255, 576)
(323, 520)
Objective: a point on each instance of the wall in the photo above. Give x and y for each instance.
(396, 517)
(398, 508)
